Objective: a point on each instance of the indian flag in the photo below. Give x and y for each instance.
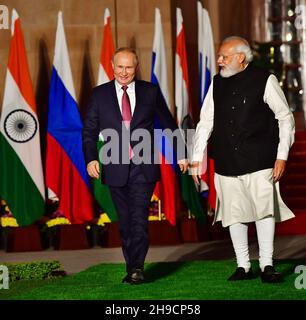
(21, 174)
(101, 191)
(107, 51)
(182, 101)
(184, 115)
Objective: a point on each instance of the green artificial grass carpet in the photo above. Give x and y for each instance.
(204, 280)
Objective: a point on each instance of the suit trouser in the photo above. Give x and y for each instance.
(132, 204)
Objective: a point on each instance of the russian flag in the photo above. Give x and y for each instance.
(207, 60)
(66, 175)
(167, 189)
(159, 66)
(207, 70)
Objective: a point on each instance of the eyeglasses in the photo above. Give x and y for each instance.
(225, 57)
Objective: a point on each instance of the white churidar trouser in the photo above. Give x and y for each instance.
(265, 233)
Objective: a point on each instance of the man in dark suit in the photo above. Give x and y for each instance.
(125, 105)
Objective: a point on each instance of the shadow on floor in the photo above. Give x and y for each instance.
(287, 266)
(217, 250)
(160, 270)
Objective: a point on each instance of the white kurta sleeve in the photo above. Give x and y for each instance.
(204, 127)
(275, 98)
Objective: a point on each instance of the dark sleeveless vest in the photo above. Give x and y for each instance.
(245, 136)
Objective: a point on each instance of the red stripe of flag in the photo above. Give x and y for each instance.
(65, 181)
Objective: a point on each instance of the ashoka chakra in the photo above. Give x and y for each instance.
(20, 126)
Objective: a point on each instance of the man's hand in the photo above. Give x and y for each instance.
(93, 169)
(196, 171)
(183, 164)
(279, 169)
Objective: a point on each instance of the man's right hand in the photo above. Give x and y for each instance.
(93, 169)
(196, 167)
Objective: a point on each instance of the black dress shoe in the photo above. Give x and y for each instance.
(270, 275)
(240, 274)
(126, 279)
(135, 277)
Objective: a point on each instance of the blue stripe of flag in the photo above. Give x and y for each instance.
(65, 124)
(207, 78)
(201, 79)
(164, 145)
(154, 80)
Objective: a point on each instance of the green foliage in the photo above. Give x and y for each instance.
(34, 270)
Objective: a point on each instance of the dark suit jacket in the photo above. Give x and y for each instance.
(104, 113)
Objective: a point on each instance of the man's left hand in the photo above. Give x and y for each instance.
(183, 164)
(279, 169)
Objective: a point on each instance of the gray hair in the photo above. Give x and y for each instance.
(242, 47)
(129, 50)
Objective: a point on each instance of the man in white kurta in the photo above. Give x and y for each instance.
(252, 129)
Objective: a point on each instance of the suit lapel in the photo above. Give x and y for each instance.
(115, 101)
(137, 106)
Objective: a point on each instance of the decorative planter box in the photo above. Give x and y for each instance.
(191, 231)
(20, 239)
(162, 233)
(70, 237)
(111, 235)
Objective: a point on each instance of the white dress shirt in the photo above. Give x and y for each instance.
(273, 96)
(131, 93)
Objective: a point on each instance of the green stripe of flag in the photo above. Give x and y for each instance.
(192, 198)
(17, 187)
(102, 193)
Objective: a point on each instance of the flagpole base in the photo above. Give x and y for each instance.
(21, 239)
(71, 237)
(162, 233)
(191, 231)
(111, 235)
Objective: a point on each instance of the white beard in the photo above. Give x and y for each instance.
(228, 71)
